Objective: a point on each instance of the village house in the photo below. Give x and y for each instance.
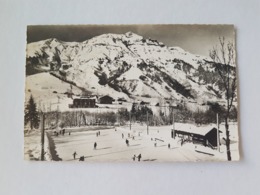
(106, 100)
(83, 102)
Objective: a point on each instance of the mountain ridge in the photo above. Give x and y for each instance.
(127, 65)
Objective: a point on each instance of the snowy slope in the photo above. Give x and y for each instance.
(125, 65)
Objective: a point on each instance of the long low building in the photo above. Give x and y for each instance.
(205, 135)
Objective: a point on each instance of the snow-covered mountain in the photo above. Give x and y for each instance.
(127, 65)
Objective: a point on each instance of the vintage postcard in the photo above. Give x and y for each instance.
(131, 93)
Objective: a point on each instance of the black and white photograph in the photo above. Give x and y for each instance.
(131, 93)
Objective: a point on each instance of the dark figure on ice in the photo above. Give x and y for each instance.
(169, 146)
(182, 141)
(155, 144)
(63, 131)
(95, 145)
(133, 137)
(128, 134)
(139, 157)
(74, 155)
(97, 134)
(122, 136)
(134, 158)
(69, 133)
(82, 158)
(127, 142)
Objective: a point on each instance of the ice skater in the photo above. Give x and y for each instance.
(74, 155)
(169, 145)
(127, 142)
(134, 157)
(139, 157)
(95, 145)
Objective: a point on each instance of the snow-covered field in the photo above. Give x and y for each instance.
(32, 146)
(111, 145)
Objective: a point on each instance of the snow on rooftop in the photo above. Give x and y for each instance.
(192, 128)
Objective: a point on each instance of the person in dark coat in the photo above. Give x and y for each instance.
(95, 145)
(82, 158)
(139, 157)
(134, 158)
(169, 146)
(127, 142)
(74, 155)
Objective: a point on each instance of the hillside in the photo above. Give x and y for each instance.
(128, 66)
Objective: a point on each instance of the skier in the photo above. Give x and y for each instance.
(95, 145)
(74, 155)
(139, 157)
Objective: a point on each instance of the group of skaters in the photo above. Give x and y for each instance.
(98, 133)
(82, 158)
(138, 157)
(61, 132)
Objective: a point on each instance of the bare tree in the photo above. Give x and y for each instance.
(224, 60)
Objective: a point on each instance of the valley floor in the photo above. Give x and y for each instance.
(111, 145)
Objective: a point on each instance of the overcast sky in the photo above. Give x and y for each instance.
(197, 39)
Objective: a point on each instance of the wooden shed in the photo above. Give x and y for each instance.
(205, 135)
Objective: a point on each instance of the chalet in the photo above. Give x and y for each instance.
(83, 102)
(106, 100)
(142, 103)
(121, 100)
(205, 135)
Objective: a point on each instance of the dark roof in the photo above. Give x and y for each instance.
(106, 97)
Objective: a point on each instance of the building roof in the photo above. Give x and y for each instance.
(194, 129)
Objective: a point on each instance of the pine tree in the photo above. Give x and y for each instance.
(31, 114)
